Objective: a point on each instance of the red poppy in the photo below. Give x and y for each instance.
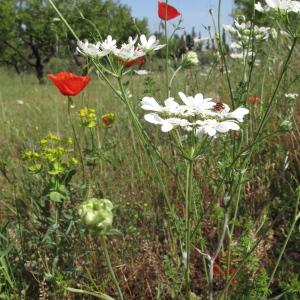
(108, 119)
(167, 12)
(139, 62)
(253, 100)
(69, 84)
(220, 273)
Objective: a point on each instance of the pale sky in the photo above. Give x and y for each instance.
(194, 12)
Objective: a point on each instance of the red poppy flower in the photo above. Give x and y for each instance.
(253, 100)
(167, 12)
(139, 62)
(69, 84)
(108, 119)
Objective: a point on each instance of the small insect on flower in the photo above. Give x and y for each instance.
(219, 106)
(254, 100)
(167, 12)
(69, 84)
(108, 119)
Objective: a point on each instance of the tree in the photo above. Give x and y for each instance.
(32, 33)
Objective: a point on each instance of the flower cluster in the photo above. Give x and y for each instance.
(97, 215)
(197, 114)
(279, 5)
(241, 33)
(88, 117)
(128, 52)
(53, 156)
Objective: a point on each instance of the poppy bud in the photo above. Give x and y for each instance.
(96, 215)
(108, 119)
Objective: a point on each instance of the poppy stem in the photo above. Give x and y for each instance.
(75, 137)
(167, 49)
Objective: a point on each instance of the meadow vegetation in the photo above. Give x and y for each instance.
(222, 224)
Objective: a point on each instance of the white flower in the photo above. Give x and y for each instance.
(166, 124)
(198, 115)
(149, 103)
(89, 49)
(141, 72)
(109, 45)
(292, 96)
(286, 5)
(196, 104)
(152, 44)
(213, 127)
(21, 102)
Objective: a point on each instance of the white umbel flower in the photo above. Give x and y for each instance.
(89, 49)
(150, 45)
(197, 114)
(284, 5)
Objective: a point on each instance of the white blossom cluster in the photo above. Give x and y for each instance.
(127, 52)
(241, 33)
(197, 114)
(281, 5)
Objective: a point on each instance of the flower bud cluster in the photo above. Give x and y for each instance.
(52, 157)
(97, 215)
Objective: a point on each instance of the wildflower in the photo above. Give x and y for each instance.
(73, 161)
(197, 114)
(109, 45)
(89, 49)
(284, 5)
(108, 119)
(253, 100)
(150, 45)
(88, 117)
(138, 61)
(292, 96)
(141, 72)
(167, 12)
(21, 102)
(96, 215)
(69, 84)
(190, 59)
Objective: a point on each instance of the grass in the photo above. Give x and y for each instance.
(39, 261)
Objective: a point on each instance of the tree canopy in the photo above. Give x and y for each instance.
(32, 33)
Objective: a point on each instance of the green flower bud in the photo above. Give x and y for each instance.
(96, 215)
(190, 59)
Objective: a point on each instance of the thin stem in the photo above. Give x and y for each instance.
(107, 258)
(172, 79)
(188, 199)
(212, 260)
(75, 137)
(167, 49)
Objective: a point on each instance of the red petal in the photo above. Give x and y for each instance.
(167, 12)
(69, 84)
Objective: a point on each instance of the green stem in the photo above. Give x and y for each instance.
(172, 79)
(75, 137)
(107, 258)
(167, 50)
(188, 199)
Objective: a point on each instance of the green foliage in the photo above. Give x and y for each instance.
(32, 34)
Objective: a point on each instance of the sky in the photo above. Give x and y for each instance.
(194, 12)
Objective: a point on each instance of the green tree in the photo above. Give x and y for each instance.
(32, 33)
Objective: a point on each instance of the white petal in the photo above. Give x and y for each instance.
(184, 98)
(154, 119)
(166, 127)
(143, 40)
(226, 126)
